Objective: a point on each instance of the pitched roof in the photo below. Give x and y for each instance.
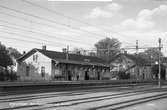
(137, 59)
(72, 58)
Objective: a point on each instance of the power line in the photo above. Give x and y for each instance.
(34, 42)
(38, 32)
(50, 26)
(24, 30)
(27, 41)
(53, 43)
(17, 44)
(25, 19)
(48, 20)
(60, 14)
(68, 17)
(22, 18)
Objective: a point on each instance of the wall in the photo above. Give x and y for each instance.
(137, 72)
(35, 68)
(141, 73)
(122, 63)
(74, 71)
(57, 71)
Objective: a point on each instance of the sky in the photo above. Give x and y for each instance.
(27, 24)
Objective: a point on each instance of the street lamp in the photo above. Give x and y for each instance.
(156, 62)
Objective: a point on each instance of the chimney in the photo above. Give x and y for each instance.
(24, 52)
(44, 47)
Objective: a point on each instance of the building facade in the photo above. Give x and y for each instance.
(132, 66)
(42, 64)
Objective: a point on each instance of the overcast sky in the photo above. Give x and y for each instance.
(24, 25)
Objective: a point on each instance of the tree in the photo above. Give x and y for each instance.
(14, 52)
(108, 48)
(5, 59)
(151, 55)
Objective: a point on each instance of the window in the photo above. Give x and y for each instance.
(43, 71)
(35, 58)
(27, 70)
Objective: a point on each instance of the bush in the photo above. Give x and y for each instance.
(7, 76)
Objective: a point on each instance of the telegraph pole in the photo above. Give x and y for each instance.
(67, 52)
(159, 64)
(137, 47)
(108, 52)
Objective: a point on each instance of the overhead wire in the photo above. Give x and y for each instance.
(22, 18)
(58, 13)
(18, 11)
(51, 21)
(10, 41)
(31, 31)
(68, 17)
(41, 24)
(38, 40)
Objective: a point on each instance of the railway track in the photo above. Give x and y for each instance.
(78, 101)
(71, 93)
(114, 106)
(66, 93)
(124, 104)
(58, 89)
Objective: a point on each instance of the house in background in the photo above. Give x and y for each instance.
(42, 64)
(133, 66)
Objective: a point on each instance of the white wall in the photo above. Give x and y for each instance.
(35, 68)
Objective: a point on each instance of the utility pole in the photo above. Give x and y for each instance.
(137, 47)
(108, 52)
(159, 64)
(67, 52)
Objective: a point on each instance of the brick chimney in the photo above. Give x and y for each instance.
(44, 47)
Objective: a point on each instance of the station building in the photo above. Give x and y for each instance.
(43, 64)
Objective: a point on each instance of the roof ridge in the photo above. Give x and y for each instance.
(69, 53)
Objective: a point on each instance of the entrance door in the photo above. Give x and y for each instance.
(98, 75)
(86, 75)
(69, 75)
